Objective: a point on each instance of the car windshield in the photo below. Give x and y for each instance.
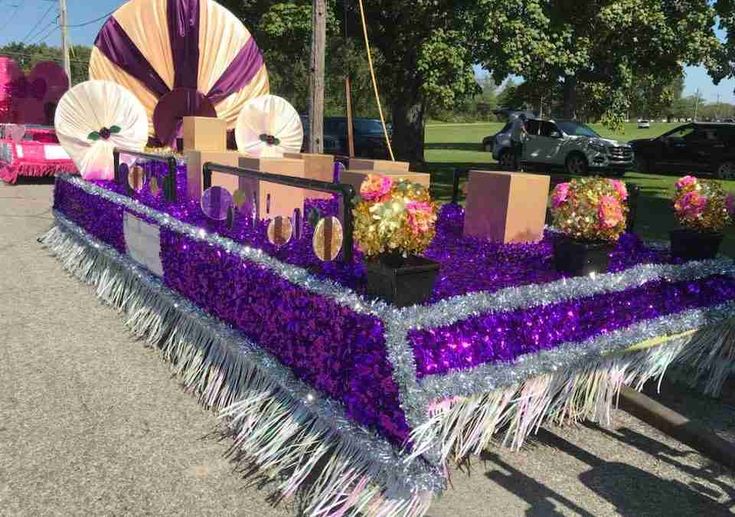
(368, 126)
(577, 129)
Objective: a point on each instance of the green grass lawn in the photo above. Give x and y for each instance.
(450, 146)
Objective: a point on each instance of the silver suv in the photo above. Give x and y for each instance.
(567, 144)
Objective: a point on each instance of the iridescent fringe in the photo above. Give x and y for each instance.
(272, 431)
(463, 426)
(709, 359)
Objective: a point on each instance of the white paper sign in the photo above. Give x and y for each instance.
(143, 243)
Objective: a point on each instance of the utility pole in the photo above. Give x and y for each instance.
(316, 76)
(64, 24)
(696, 104)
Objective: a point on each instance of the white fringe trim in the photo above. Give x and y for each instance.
(467, 425)
(272, 431)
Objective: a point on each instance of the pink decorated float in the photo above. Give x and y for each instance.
(28, 142)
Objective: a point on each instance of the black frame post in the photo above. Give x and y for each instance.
(346, 191)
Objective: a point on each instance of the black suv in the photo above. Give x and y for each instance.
(367, 132)
(694, 147)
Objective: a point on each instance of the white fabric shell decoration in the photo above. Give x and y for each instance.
(267, 127)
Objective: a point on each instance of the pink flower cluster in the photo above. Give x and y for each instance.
(610, 212)
(692, 204)
(376, 188)
(686, 182)
(420, 215)
(559, 195)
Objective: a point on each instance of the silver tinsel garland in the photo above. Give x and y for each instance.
(416, 397)
(254, 393)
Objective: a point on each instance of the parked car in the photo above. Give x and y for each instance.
(367, 133)
(644, 124)
(501, 138)
(694, 147)
(568, 145)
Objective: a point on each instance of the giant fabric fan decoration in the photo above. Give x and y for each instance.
(92, 119)
(180, 57)
(268, 127)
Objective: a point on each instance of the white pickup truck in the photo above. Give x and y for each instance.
(567, 145)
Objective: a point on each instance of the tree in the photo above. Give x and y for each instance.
(598, 50)
(422, 51)
(27, 56)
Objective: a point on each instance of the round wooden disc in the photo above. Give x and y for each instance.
(327, 240)
(153, 186)
(136, 177)
(280, 230)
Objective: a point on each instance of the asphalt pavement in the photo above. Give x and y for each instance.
(92, 422)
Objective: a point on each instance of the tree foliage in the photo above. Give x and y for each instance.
(601, 51)
(28, 55)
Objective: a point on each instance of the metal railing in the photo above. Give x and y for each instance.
(347, 192)
(169, 183)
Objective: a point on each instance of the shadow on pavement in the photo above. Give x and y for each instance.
(633, 492)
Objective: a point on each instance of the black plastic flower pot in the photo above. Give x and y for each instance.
(579, 258)
(689, 244)
(402, 282)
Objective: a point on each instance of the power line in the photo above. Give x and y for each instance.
(10, 19)
(41, 30)
(40, 20)
(49, 33)
(92, 21)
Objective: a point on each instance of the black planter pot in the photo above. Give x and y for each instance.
(581, 258)
(401, 281)
(693, 245)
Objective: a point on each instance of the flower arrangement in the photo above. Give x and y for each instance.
(393, 217)
(590, 209)
(702, 205)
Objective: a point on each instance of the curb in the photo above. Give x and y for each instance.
(670, 422)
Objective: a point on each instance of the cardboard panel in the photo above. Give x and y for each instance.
(360, 164)
(194, 178)
(318, 167)
(355, 178)
(204, 134)
(273, 199)
(506, 206)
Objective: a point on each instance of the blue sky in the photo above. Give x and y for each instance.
(34, 21)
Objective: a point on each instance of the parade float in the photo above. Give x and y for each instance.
(28, 143)
(254, 273)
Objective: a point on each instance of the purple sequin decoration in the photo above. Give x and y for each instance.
(339, 352)
(342, 353)
(99, 217)
(505, 336)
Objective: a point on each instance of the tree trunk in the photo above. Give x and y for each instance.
(570, 97)
(408, 124)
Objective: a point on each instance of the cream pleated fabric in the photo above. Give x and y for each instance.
(268, 127)
(222, 37)
(89, 107)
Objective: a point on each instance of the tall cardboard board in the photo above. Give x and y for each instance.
(506, 206)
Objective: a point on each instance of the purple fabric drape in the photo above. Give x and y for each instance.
(117, 46)
(183, 30)
(239, 73)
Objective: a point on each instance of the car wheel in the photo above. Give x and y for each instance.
(726, 171)
(576, 165)
(505, 160)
